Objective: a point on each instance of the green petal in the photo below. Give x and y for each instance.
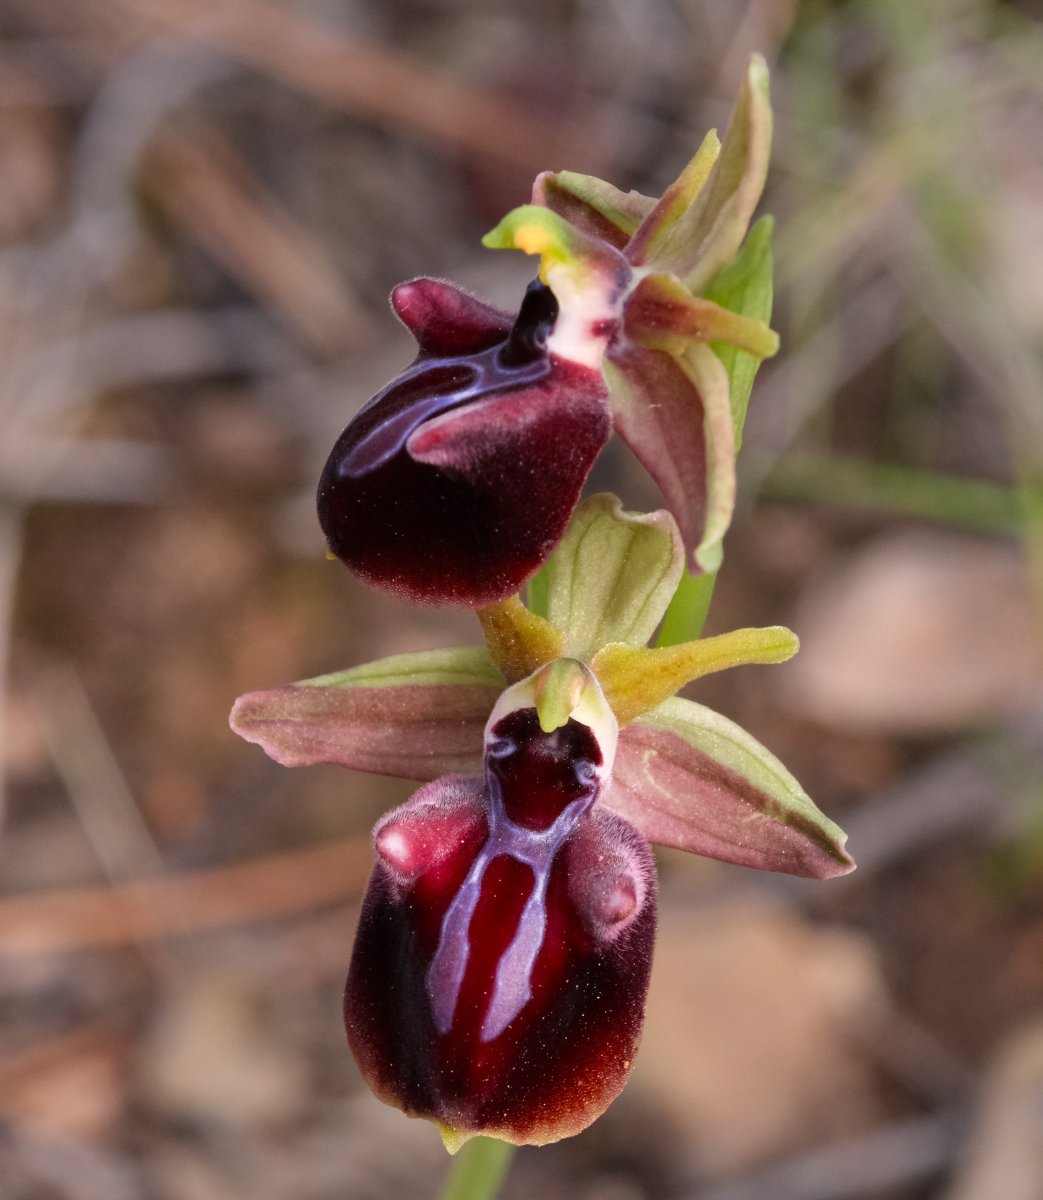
(611, 577)
(662, 314)
(519, 641)
(635, 679)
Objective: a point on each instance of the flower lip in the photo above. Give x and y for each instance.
(437, 384)
(539, 786)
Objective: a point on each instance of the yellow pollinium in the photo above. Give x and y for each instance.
(531, 239)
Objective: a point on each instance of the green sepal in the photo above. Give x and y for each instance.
(612, 575)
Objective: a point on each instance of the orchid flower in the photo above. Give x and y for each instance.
(454, 483)
(502, 959)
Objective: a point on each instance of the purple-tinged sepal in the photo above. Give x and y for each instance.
(689, 778)
(508, 926)
(414, 716)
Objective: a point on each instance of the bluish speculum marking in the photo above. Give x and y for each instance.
(436, 385)
(538, 788)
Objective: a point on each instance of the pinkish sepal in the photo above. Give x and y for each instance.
(689, 778)
(413, 716)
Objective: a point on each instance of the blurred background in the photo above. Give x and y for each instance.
(203, 205)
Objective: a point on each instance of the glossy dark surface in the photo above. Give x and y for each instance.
(501, 986)
(454, 483)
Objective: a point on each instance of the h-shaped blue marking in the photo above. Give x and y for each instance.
(512, 989)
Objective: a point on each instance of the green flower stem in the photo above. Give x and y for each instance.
(686, 615)
(478, 1170)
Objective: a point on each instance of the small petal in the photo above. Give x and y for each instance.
(689, 778)
(636, 680)
(518, 640)
(415, 716)
(611, 577)
(662, 314)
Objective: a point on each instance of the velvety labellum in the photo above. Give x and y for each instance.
(508, 927)
(570, 786)
(456, 480)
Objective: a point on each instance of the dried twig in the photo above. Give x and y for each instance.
(378, 81)
(265, 889)
(205, 186)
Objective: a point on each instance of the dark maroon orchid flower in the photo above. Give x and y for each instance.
(508, 926)
(455, 482)
(499, 974)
